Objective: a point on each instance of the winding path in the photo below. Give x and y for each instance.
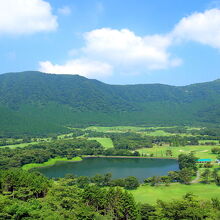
(196, 180)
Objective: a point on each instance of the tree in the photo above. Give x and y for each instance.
(185, 175)
(147, 211)
(169, 153)
(206, 175)
(174, 176)
(215, 174)
(187, 161)
(186, 208)
(215, 150)
(107, 179)
(82, 181)
(153, 181)
(129, 207)
(98, 179)
(136, 154)
(131, 182)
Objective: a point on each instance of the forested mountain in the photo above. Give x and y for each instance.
(39, 103)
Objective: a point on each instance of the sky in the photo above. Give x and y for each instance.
(175, 42)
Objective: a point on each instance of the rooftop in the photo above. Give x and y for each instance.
(204, 160)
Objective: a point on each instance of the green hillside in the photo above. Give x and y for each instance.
(38, 103)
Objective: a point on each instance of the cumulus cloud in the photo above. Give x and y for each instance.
(123, 47)
(203, 28)
(107, 49)
(83, 67)
(64, 10)
(26, 16)
(124, 51)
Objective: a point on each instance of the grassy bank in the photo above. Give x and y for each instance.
(203, 151)
(150, 194)
(50, 162)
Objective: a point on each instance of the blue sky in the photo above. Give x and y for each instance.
(115, 41)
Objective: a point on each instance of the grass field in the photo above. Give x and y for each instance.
(115, 129)
(19, 145)
(149, 131)
(156, 133)
(212, 141)
(105, 142)
(49, 162)
(150, 194)
(200, 151)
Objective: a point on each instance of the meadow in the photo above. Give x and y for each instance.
(150, 194)
(200, 151)
(115, 129)
(13, 146)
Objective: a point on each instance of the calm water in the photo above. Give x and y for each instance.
(141, 168)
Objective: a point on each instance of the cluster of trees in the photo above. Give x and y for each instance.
(188, 168)
(215, 150)
(12, 141)
(209, 131)
(187, 161)
(24, 185)
(28, 195)
(21, 193)
(130, 141)
(176, 140)
(42, 152)
(209, 176)
(120, 152)
(100, 180)
(183, 176)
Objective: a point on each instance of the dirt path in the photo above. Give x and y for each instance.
(196, 180)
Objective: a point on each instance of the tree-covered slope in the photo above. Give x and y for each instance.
(34, 102)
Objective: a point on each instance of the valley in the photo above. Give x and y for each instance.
(133, 142)
(73, 142)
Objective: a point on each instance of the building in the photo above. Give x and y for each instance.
(204, 161)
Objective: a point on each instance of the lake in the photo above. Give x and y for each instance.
(119, 167)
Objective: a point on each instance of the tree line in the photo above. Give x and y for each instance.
(29, 195)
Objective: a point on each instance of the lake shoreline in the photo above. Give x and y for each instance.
(127, 157)
(29, 167)
(50, 162)
(119, 166)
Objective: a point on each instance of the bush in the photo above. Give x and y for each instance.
(208, 165)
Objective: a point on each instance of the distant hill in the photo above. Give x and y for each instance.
(39, 103)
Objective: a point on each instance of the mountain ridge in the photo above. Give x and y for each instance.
(48, 103)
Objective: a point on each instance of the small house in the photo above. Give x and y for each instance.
(204, 161)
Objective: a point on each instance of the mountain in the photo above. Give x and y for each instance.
(38, 103)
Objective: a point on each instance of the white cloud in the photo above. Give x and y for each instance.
(84, 67)
(26, 16)
(125, 52)
(123, 47)
(200, 27)
(107, 49)
(64, 10)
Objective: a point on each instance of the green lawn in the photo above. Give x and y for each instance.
(153, 131)
(115, 129)
(157, 133)
(50, 162)
(150, 194)
(212, 141)
(19, 145)
(105, 142)
(203, 151)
